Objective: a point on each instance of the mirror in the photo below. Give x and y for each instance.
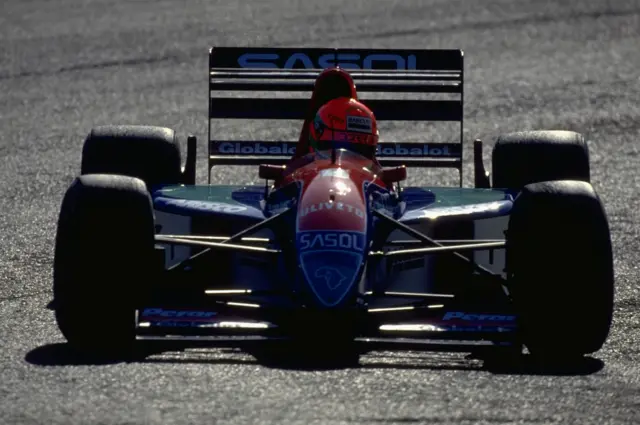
(270, 172)
(394, 174)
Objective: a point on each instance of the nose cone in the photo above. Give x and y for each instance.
(331, 236)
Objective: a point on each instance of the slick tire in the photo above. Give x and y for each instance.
(103, 261)
(528, 157)
(560, 269)
(149, 153)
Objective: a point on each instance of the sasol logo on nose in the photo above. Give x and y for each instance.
(343, 60)
(350, 241)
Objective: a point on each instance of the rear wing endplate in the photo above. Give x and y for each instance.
(235, 69)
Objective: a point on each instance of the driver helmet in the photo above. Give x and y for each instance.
(344, 123)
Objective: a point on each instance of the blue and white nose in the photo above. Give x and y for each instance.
(331, 237)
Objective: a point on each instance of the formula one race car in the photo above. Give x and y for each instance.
(335, 249)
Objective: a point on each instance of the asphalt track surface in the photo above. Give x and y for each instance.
(66, 66)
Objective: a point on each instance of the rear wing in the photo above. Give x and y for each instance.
(289, 70)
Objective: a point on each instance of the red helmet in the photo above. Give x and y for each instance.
(344, 123)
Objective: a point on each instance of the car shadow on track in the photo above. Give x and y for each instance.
(61, 354)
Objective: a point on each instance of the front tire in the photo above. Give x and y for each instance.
(103, 261)
(560, 268)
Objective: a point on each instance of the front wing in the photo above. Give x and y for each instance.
(425, 328)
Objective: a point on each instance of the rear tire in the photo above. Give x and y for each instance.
(560, 269)
(528, 157)
(103, 261)
(149, 153)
